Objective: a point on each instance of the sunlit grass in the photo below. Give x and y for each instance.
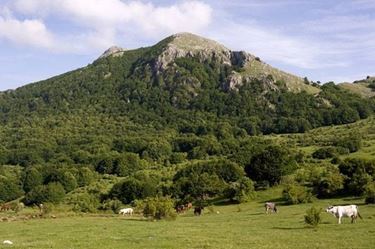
(228, 226)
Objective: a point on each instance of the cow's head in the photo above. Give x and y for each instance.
(331, 209)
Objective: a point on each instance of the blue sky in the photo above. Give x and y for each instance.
(322, 39)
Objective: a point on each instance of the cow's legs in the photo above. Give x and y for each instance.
(339, 220)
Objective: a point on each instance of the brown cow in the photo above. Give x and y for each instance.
(5, 207)
(188, 205)
(198, 210)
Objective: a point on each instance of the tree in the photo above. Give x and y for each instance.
(32, 179)
(240, 191)
(329, 182)
(204, 179)
(270, 165)
(9, 189)
(53, 192)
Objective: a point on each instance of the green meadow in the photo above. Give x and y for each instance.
(220, 226)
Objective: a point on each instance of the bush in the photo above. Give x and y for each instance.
(324, 153)
(84, 202)
(294, 194)
(157, 208)
(329, 182)
(352, 143)
(53, 192)
(240, 191)
(312, 216)
(370, 193)
(270, 164)
(9, 189)
(114, 205)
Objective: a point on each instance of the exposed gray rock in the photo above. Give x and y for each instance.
(240, 58)
(113, 51)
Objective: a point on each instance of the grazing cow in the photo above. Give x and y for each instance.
(126, 211)
(5, 207)
(344, 211)
(180, 209)
(188, 205)
(198, 210)
(270, 207)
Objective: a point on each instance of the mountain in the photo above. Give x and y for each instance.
(146, 112)
(183, 76)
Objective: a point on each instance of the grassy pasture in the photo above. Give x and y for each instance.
(234, 226)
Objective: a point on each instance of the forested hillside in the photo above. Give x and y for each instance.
(155, 117)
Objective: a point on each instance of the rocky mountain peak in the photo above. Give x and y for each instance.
(113, 51)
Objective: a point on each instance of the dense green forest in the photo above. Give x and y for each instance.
(119, 130)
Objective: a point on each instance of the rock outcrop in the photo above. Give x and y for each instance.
(113, 51)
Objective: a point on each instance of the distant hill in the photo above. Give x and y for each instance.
(365, 87)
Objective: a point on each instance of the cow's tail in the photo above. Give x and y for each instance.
(359, 216)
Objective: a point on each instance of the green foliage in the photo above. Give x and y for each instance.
(270, 164)
(313, 216)
(324, 153)
(53, 192)
(9, 190)
(370, 193)
(329, 182)
(295, 194)
(203, 179)
(136, 187)
(83, 202)
(358, 174)
(114, 205)
(240, 191)
(32, 179)
(157, 208)
(352, 143)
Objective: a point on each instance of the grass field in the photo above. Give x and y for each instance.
(231, 226)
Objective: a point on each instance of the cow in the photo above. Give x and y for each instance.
(344, 211)
(198, 210)
(180, 209)
(5, 207)
(188, 205)
(270, 207)
(126, 211)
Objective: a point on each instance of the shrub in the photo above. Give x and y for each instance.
(370, 193)
(312, 217)
(53, 192)
(270, 165)
(84, 202)
(352, 143)
(157, 208)
(114, 205)
(240, 191)
(294, 194)
(9, 189)
(324, 153)
(329, 182)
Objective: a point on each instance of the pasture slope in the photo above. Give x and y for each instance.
(233, 226)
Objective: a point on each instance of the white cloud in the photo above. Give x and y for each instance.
(273, 45)
(26, 32)
(106, 20)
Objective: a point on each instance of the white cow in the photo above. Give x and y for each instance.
(344, 211)
(126, 211)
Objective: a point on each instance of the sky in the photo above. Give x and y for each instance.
(324, 40)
